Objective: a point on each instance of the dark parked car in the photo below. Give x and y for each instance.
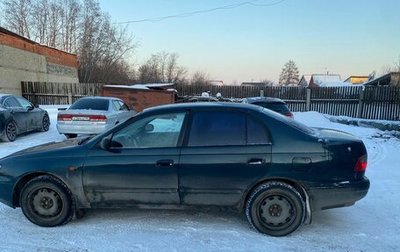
(272, 103)
(18, 115)
(275, 169)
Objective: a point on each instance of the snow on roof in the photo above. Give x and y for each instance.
(152, 85)
(307, 78)
(323, 78)
(143, 86)
(127, 87)
(335, 84)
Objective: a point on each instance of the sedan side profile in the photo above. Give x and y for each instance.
(18, 116)
(274, 169)
(92, 115)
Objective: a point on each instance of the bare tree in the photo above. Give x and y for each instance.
(69, 24)
(75, 26)
(199, 78)
(161, 67)
(17, 16)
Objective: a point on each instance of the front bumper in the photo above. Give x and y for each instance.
(340, 194)
(6, 191)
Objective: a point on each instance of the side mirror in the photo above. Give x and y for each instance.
(105, 143)
(149, 127)
(108, 144)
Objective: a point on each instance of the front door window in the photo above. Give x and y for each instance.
(159, 131)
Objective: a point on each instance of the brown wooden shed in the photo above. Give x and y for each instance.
(139, 97)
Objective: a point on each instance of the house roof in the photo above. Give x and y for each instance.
(324, 78)
(385, 79)
(366, 77)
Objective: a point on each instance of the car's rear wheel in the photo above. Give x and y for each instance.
(275, 208)
(70, 135)
(10, 132)
(46, 202)
(45, 123)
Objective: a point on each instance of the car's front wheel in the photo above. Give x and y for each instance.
(10, 132)
(275, 208)
(46, 202)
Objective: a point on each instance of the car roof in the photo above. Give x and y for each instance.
(264, 99)
(4, 95)
(100, 97)
(204, 105)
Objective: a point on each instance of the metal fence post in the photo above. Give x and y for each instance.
(360, 106)
(308, 99)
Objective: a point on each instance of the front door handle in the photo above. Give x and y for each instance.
(165, 163)
(255, 161)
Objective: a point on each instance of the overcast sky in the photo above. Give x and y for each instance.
(253, 41)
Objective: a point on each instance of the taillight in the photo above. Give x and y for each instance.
(61, 117)
(361, 164)
(289, 114)
(91, 118)
(98, 118)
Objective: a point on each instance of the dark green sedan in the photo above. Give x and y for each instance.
(274, 169)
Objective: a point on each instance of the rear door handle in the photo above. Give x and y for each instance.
(255, 161)
(165, 163)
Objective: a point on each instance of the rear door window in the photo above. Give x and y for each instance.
(217, 128)
(116, 105)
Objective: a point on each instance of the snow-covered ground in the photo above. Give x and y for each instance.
(373, 224)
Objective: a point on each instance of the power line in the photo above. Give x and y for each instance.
(192, 13)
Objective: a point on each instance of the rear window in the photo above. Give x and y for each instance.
(292, 123)
(90, 104)
(276, 106)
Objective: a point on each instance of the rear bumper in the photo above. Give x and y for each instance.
(338, 194)
(82, 128)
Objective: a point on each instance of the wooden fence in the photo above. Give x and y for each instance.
(58, 93)
(370, 102)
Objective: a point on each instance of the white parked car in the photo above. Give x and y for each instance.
(92, 115)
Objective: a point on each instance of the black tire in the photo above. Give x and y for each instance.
(10, 131)
(275, 208)
(45, 123)
(46, 202)
(68, 136)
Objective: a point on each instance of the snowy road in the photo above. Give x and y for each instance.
(373, 224)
